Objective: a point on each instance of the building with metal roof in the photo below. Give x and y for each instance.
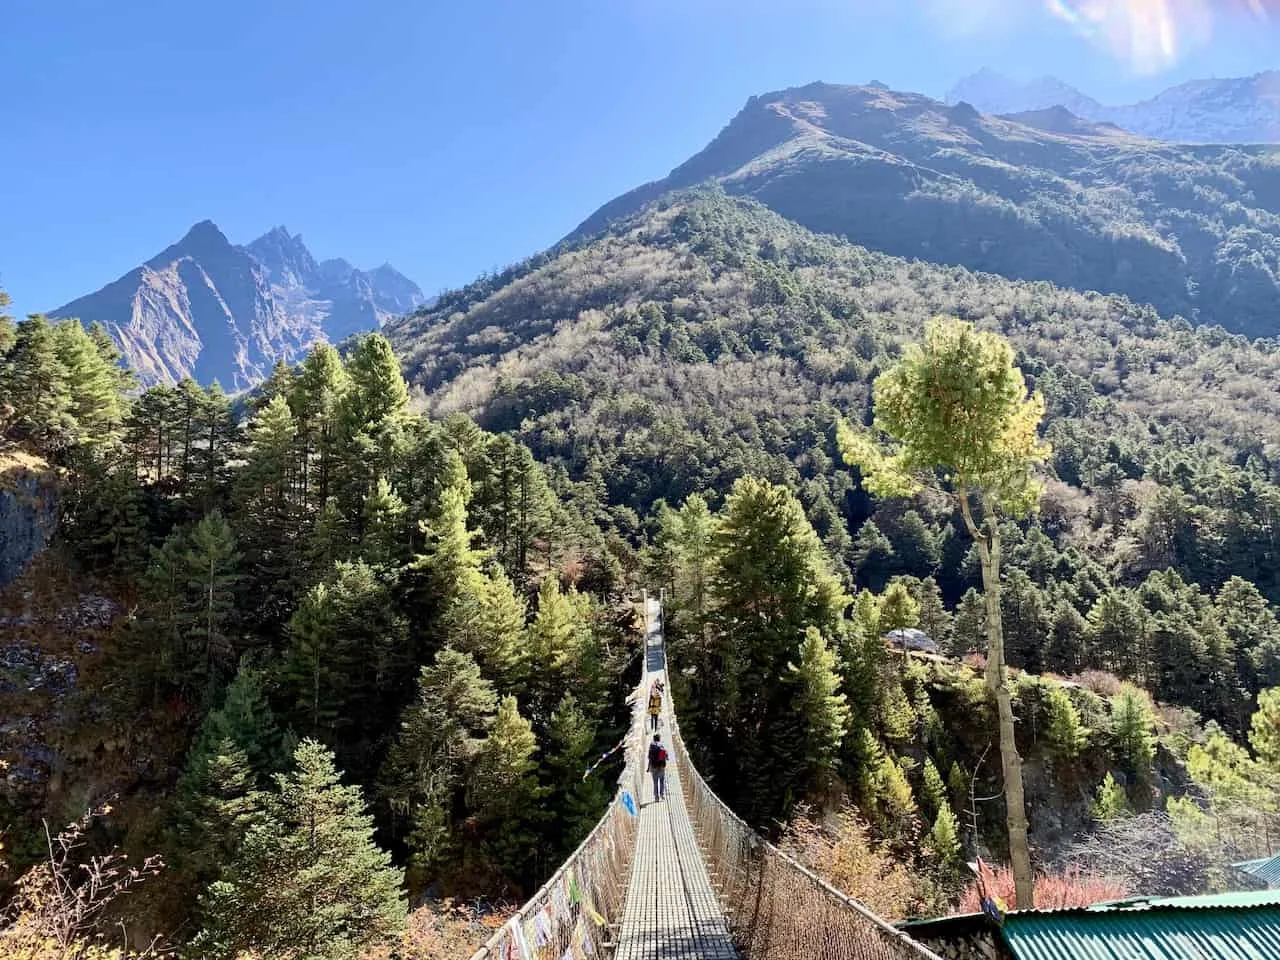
(1260, 873)
(1229, 926)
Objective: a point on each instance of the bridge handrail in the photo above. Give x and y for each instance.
(585, 896)
(777, 908)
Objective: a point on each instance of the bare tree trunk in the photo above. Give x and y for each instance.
(988, 542)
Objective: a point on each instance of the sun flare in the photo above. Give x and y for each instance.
(1151, 35)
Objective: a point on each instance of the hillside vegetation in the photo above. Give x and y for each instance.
(706, 340)
(1190, 229)
(318, 663)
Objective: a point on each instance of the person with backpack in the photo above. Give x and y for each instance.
(655, 704)
(658, 767)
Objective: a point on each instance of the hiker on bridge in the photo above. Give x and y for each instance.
(658, 767)
(655, 703)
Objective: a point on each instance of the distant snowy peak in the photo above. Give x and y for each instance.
(1238, 110)
(993, 92)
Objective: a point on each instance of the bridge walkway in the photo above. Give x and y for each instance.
(671, 910)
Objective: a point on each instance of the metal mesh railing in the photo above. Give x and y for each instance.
(776, 908)
(580, 906)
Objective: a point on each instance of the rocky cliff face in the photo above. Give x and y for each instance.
(209, 309)
(28, 513)
(1236, 110)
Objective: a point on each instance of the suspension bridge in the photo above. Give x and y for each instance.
(685, 878)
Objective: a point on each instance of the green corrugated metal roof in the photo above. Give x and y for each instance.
(1233, 926)
(1229, 900)
(1267, 869)
(1146, 935)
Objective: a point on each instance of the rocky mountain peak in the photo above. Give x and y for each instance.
(284, 255)
(1232, 110)
(203, 239)
(209, 309)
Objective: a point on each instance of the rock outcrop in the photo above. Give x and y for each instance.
(28, 513)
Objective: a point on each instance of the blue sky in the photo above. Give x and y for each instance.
(451, 138)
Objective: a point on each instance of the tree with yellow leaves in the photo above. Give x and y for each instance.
(960, 420)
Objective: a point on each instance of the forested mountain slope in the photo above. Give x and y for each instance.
(442, 630)
(706, 341)
(707, 338)
(1191, 230)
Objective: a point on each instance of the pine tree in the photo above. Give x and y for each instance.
(1066, 735)
(577, 801)
(35, 383)
(105, 521)
(934, 619)
(439, 738)
(958, 785)
(235, 752)
(1118, 628)
(873, 559)
(269, 512)
(970, 623)
(308, 883)
(944, 838)
(503, 792)
(1131, 726)
(552, 644)
(328, 542)
(377, 391)
(916, 550)
(957, 405)
(770, 581)
(487, 620)
(1110, 802)
(897, 716)
(1264, 732)
(1066, 650)
(449, 566)
(513, 505)
(1253, 632)
(97, 405)
(279, 384)
(898, 609)
(246, 718)
(935, 791)
(220, 441)
(217, 802)
(821, 710)
(208, 617)
(187, 426)
(348, 662)
(316, 399)
(694, 557)
(125, 380)
(1026, 621)
(371, 422)
(8, 335)
(894, 799)
(184, 633)
(384, 541)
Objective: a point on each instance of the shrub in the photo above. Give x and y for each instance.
(1101, 682)
(847, 858)
(450, 929)
(1054, 891)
